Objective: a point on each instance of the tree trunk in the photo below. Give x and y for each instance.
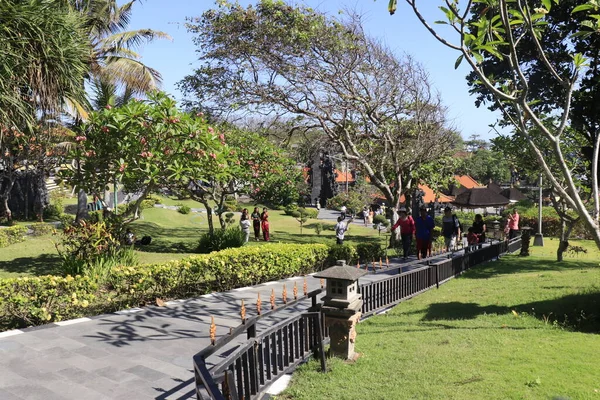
(81, 206)
(209, 217)
(6, 187)
(565, 233)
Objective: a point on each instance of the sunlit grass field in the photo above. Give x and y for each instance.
(518, 328)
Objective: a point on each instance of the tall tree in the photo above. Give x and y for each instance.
(44, 51)
(380, 111)
(517, 32)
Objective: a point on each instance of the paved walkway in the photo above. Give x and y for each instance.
(137, 354)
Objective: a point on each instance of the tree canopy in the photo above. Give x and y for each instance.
(325, 73)
(514, 47)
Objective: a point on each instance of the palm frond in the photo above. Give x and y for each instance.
(131, 73)
(132, 39)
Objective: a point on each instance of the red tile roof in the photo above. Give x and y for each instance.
(466, 181)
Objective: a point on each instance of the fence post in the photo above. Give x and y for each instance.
(437, 276)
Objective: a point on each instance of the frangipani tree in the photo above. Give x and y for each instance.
(515, 32)
(145, 145)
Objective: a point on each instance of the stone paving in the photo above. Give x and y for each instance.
(135, 354)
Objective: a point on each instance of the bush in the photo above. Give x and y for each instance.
(41, 229)
(39, 300)
(318, 228)
(310, 212)
(342, 252)
(221, 239)
(183, 209)
(56, 208)
(381, 220)
(12, 235)
(370, 251)
(88, 242)
(291, 208)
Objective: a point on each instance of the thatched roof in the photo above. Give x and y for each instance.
(513, 195)
(495, 187)
(480, 197)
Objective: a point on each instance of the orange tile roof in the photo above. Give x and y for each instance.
(430, 196)
(340, 176)
(466, 181)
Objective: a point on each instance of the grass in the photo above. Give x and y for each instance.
(174, 236)
(518, 328)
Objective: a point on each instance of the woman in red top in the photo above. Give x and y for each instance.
(265, 224)
(407, 230)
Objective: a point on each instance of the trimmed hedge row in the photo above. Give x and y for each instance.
(38, 300)
(12, 235)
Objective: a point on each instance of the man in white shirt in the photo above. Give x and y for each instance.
(340, 230)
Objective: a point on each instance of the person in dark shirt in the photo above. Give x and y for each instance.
(479, 227)
(424, 225)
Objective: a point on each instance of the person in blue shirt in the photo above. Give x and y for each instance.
(424, 225)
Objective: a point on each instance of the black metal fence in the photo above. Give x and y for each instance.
(385, 293)
(263, 358)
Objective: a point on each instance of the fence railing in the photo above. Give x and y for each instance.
(260, 359)
(263, 358)
(387, 292)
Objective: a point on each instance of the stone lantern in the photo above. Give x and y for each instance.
(496, 229)
(342, 307)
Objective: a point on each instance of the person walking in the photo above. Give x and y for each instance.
(479, 228)
(343, 210)
(340, 230)
(407, 230)
(513, 224)
(365, 214)
(450, 229)
(424, 225)
(371, 215)
(245, 224)
(264, 217)
(256, 223)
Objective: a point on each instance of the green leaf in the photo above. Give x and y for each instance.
(392, 6)
(547, 4)
(583, 7)
(458, 61)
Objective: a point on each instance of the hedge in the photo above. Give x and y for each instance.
(37, 300)
(12, 235)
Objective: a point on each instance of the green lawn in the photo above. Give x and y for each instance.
(519, 328)
(174, 236)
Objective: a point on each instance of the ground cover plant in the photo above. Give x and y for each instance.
(518, 328)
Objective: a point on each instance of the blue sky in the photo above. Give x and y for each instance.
(402, 32)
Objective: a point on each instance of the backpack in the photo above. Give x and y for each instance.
(455, 220)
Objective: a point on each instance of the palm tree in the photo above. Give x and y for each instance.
(43, 62)
(113, 59)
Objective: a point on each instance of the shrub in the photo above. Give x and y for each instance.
(38, 300)
(41, 229)
(381, 220)
(56, 208)
(370, 251)
(221, 239)
(291, 208)
(183, 209)
(12, 235)
(342, 252)
(229, 218)
(318, 228)
(309, 212)
(86, 243)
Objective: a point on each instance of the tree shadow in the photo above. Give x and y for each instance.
(167, 240)
(44, 264)
(513, 264)
(578, 312)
